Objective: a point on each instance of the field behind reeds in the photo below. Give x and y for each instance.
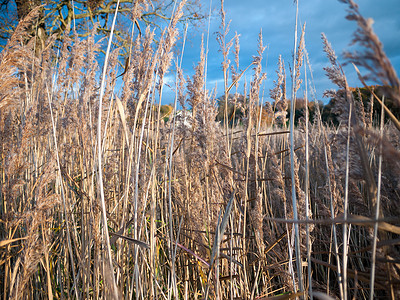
(102, 196)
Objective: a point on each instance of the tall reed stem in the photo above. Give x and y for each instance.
(294, 200)
(378, 203)
(113, 284)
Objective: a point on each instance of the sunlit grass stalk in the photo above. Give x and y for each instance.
(113, 284)
(292, 128)
(307, 184)
(225, 47)
(378, 203)
(136, 197)
(49, 97)
(346, 206)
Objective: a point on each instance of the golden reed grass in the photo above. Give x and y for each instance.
(194, 208)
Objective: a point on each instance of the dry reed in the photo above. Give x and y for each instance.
(190, 207)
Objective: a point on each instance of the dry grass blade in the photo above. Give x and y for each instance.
(353, 219)
(234, 261)
(237, 79)
(188, 251)
(272, 133)
(365, 221)
(129, 239)
(7, 242)
(219, 234)
(229, 168)
(272, 245)
(380, 244)
(220, 230)
(121, 111)
(362, 276)
(373, 57)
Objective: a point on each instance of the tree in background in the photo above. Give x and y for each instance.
(236, 110)
(77, 16)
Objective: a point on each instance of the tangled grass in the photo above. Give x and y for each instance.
(106, 199)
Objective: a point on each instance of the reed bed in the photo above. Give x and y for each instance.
(103, 197)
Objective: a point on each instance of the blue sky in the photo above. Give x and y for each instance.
(276, 20)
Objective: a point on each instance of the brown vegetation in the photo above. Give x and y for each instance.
(193, 211)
